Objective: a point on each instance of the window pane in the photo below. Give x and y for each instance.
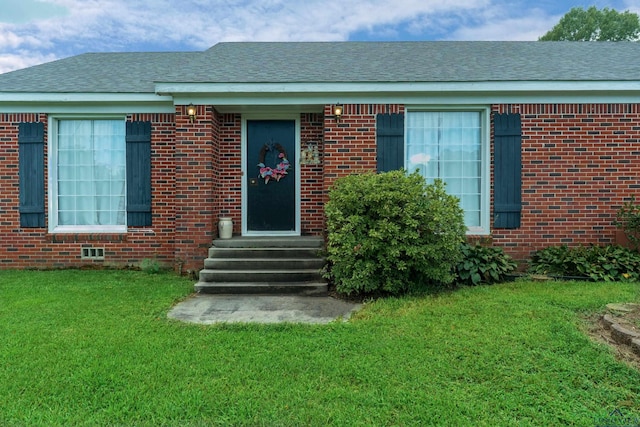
(448, 145)
(471, 217)
(91, 172)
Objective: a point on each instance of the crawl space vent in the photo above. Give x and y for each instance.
(92, 253)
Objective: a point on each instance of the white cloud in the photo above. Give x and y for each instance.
(12, 40)
(9, 39)
(10, 62)
(521, 28)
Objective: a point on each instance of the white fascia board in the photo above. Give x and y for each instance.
(524, 98)
(90, 103)
(86, 109)
(204, 89)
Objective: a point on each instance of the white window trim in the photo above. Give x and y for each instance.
(485, 200)
(52, 160)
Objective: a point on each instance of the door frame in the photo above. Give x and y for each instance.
(245, 172)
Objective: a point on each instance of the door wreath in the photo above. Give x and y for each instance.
(280, 170)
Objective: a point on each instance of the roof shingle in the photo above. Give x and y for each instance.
(333, 62)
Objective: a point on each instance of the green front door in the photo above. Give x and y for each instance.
(271, 176)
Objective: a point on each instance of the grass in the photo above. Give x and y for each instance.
(96, 348)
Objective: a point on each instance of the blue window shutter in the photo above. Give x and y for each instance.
(390, 142)
(31, 174)
(507, 170)
(138, 173)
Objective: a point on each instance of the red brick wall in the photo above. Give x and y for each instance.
(312, 194)
(229, 188)
(215, 168)
(35, 247)
(350, 143)
(16, 244)
(194, 190)
(156, 241)
(579, 164)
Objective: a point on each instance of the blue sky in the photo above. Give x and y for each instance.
(37, 31)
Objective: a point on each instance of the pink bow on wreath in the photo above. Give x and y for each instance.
(273, 173)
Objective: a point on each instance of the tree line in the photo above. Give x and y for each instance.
(595, 24)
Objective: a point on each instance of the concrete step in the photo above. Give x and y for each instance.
(278, 276)
(270, 242)
(309, 288)
(298, 252)
(274, 263)
(264, 265)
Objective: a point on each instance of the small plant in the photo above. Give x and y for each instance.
(554, 261)
(628, 220)
(392, 233)
(481, 264)
(607, 263)
(150, 266)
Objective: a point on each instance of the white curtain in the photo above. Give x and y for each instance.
(447, 145)
(91, 172)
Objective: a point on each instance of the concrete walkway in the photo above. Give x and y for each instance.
(210, 309)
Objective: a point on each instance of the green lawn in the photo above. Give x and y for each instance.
(96, 348)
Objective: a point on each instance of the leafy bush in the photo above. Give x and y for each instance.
(608, 263)
(392, 232)
(553, 260)
(481, 264)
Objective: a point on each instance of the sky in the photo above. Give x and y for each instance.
(37, 31)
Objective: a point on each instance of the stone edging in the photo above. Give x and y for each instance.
(621, 334)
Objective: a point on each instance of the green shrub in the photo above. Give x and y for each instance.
(553, 260)
(392, 232)
(481, 264)
(608, 263)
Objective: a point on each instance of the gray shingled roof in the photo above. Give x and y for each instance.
(319, 62)
(421, 61)
(97, 73)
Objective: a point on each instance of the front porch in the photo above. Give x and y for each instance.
(221, 149)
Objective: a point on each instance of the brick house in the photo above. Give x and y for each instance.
(127, 156)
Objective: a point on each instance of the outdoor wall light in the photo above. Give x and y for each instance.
(191, 112)
(337, 111)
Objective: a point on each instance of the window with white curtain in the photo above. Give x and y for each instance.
(88, 169)
(450, 145)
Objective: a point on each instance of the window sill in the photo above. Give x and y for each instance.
(85, 237)
(477, 231)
